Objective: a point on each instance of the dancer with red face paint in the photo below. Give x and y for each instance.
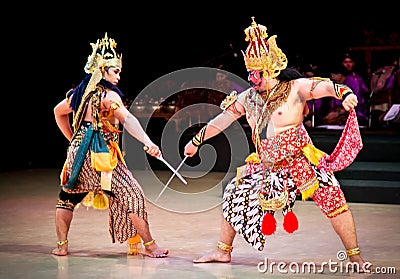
(285, 163)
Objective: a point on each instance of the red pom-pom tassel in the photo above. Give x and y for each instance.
(290, 222)
(268, 226)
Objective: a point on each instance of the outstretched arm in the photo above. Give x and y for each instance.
(130, 122)
(316, 88)
(213, 128)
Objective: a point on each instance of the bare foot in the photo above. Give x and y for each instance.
(154, 251)
(216, 256)
(363, 267)
(61, 250)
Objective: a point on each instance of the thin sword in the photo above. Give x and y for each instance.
(172, 176)
(160, 157)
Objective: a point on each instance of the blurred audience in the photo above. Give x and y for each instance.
(347, 74)
(385, 88)
(317, 108)
(206, 94)
(223, 85)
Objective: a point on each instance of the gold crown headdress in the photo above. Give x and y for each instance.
(103, 55)
(262, 54)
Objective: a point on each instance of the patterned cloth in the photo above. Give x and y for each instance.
(241, 207)
(285, 167)
(128, 196)
(284, 151)
(346, 150)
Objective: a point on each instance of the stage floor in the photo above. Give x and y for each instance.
(27, 236)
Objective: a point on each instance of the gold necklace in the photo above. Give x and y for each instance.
(276, 97)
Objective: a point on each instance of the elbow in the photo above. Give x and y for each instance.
(57, 112)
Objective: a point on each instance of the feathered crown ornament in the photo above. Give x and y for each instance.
(262, 54)
(103, 55)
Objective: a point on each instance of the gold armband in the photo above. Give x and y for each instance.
(114, 106)
(315, 81)
(199, 137)
(341, 90)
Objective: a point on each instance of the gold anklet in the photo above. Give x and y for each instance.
(353, 252)
(149, 243)
(61, 243)
(224, 247)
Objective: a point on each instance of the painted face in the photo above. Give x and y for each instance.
(254, 78)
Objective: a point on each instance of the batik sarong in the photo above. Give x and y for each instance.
(126, 194)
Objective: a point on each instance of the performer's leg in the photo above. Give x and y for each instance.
(64, 214)
(331, 201)
(344, 226)
(224, 246)
(63, 223)
(150, 246)
(128, 194)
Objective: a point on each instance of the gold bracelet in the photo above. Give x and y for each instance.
(149, 243)
(224, 247)
(353, 252)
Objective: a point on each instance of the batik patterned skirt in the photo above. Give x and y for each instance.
(242, 209)
(127, 195)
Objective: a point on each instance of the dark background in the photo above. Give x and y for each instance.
(45, 50)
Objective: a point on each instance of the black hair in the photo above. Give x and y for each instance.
(289, 74)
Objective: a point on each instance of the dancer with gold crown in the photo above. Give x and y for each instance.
(285, 163)
(95, 172)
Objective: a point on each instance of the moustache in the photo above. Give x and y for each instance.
(252, 84)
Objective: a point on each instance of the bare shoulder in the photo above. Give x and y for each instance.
(110, 98)
(243, 99)
(112, 95)
(303, 87)
(242, 96)
(301, 82)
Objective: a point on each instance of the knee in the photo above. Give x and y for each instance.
(69, 201)
(65, 204)
(331, 201)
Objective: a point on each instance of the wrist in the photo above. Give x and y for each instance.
(198, 139)
(345, 95)
(341, 90)
(195, 142)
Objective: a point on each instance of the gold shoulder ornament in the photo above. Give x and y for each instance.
(229, 100)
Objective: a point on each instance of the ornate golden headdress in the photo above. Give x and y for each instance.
(103, 55)
(262, 54)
